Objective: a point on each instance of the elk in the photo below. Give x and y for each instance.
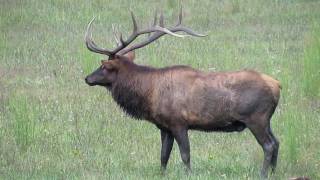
(180, 98)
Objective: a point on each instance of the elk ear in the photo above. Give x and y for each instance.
(110, 64)
(130, 55)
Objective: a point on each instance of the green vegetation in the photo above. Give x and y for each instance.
(54, 126)
(311, 73)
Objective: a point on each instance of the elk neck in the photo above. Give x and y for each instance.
(133, 89)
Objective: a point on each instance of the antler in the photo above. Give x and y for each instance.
(158, 34)
(115, 31)
(157, 30)
(122, 43)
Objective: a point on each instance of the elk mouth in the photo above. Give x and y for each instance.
(94, 83)
(89, 82)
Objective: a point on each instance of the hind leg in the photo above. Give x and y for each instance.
(275, 151)
(181, 136)
(261, 130)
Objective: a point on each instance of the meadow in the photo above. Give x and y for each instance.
(54, 126)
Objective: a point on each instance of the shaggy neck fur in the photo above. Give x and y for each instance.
(133, 89)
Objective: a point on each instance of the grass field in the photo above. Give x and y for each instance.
(54, 126)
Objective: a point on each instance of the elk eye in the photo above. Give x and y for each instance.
(104, 69)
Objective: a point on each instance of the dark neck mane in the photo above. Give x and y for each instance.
(133, 89)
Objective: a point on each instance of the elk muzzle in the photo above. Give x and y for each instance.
(89, 81)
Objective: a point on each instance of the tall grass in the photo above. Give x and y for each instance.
(311, 64)
(24, 118)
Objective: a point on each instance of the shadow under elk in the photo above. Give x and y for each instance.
(179, 98)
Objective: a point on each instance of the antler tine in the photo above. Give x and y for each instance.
(186, 30)
(161, 21)
(179, 27)
(115, 35)
(90, 44)
(121, 39)
(159, 29)
(180, 17)
(135, 26)
(155, 19)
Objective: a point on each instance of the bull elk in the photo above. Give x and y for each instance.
(179, 98)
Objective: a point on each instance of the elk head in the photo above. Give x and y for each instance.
(106, 74)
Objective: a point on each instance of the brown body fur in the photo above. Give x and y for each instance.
(182, 96)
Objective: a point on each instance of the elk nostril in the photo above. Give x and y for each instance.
(87, 80)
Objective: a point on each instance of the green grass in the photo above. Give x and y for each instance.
(54, 126)
(311, 64)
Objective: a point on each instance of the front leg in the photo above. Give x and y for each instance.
(167, 142)
(181, 136)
